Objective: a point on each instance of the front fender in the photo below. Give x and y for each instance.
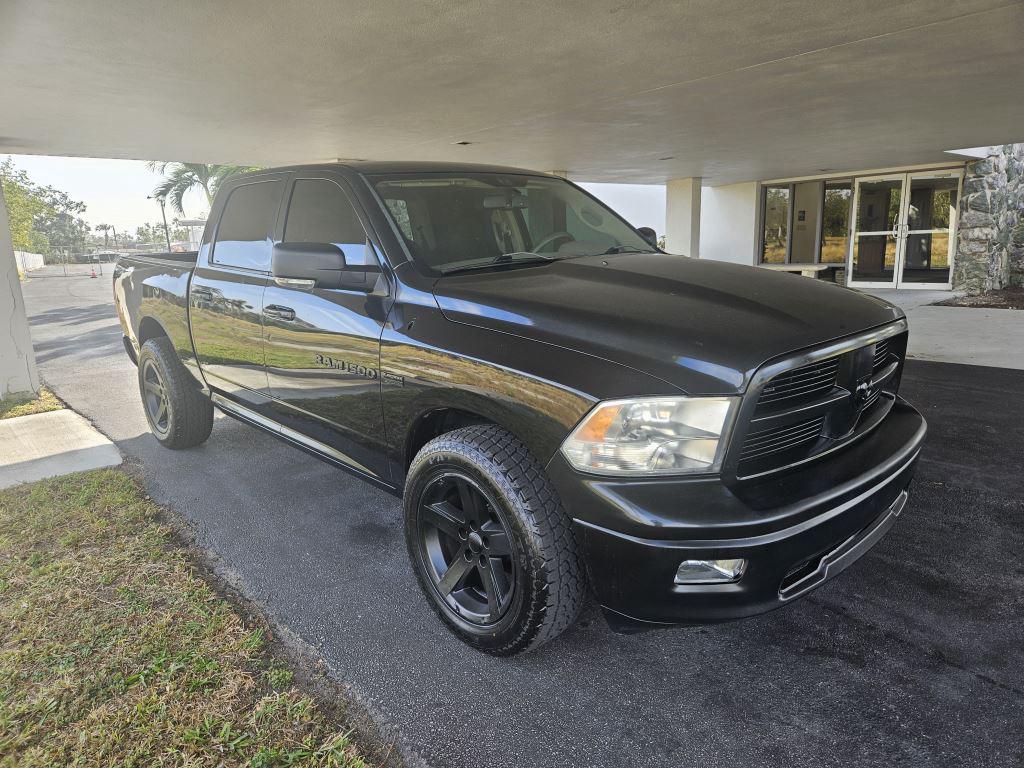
(537, 391)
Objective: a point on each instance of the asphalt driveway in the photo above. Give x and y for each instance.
(914, 656)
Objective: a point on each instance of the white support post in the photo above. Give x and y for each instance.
(17, 360)
(682, 216)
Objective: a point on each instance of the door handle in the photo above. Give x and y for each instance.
(278, 312)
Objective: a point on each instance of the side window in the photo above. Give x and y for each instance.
(320, 212)
(247, 226)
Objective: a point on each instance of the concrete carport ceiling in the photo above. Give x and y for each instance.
(603, 88)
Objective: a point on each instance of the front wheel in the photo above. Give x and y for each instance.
(490, 544)
(179, 415)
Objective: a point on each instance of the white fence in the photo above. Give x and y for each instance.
(28, 261)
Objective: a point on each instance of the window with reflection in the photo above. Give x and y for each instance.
(775, 235)
(320, 212)
(247, 224)
(835, 223)
(930, 214)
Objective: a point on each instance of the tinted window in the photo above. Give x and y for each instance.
(320, 212)
(247, 225)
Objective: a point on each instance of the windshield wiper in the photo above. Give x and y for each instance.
(517, 257)
(521, 256)
(626, 249)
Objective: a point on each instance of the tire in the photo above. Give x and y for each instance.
(521, 544)
(179, 415)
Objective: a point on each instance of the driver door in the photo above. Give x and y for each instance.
(322, 346)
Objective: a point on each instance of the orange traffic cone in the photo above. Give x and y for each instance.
(93, 272)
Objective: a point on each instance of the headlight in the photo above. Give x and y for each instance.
(652, 436)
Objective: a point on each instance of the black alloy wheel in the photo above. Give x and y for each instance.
(466, 549)
(154, 395)
(179, 414)
(491, 546)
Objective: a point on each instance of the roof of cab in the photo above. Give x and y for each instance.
(386, 167)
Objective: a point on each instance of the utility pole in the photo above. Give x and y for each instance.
(163, 213)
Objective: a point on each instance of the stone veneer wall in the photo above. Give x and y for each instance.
(990, 239)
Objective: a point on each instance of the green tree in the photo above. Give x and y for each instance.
(154, 233)
(23, 206)
(179, 178)
(104, 228)
(42, 218)
(61, 221)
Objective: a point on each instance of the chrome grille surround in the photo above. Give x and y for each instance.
(800, 408)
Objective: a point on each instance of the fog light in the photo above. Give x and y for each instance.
(710, 571)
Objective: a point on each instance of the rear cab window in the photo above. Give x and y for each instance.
(245, 234)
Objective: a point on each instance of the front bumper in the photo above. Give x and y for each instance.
(796, 529)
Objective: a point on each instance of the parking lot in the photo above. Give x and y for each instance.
(911, 657)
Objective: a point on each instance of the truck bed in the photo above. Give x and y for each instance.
(178, 258)
(151, 298)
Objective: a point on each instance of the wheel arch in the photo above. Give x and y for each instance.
(433, 423)
(150, 328)
(180, 338)
(432, 419)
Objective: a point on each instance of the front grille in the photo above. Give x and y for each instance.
(814, 407)
(882, 357)
(781, 439)
(806, 382)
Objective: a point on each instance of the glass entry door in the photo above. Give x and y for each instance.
(904, 230)
(929, 230)
(876, 226)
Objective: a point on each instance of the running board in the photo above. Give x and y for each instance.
(321, 450)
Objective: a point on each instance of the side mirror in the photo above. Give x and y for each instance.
(308, 264)
(649, 235)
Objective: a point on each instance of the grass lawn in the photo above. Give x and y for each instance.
(113, 651)
(21, 405)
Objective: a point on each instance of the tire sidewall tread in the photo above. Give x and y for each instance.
(552, 581)
(190, 412)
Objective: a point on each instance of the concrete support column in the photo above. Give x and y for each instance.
(682, 216)
(730, 223)
(17, 360)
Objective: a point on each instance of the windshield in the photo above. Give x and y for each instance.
(475, 220)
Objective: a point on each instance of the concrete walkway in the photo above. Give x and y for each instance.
(991, 337)
(51, 444)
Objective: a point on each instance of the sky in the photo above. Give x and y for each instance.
(114, 192)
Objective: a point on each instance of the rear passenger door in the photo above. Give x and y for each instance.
(226, 293)
(322, 346)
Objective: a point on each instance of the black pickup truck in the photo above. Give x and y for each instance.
(565, 409)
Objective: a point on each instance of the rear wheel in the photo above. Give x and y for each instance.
(179, 415)
(490, 544)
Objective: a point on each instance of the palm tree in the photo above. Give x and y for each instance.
(179, 178)
(104, 228)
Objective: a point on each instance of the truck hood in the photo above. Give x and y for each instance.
(703, 326)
